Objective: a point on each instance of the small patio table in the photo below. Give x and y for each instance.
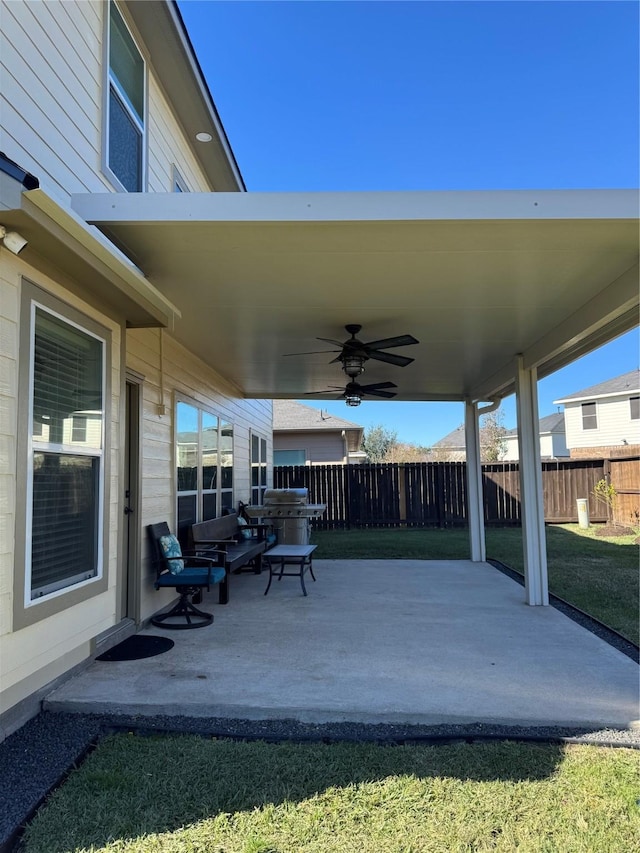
(299, 556)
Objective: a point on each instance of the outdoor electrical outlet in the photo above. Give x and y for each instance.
(162, 409)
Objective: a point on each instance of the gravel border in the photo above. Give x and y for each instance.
(38, 757)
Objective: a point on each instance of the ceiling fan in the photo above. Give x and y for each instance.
(353, 393)
(353, 353)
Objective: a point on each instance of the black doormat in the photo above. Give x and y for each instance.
(136, 647)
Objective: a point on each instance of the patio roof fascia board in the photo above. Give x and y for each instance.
(161, 27)
(88, 245)
(358, 206)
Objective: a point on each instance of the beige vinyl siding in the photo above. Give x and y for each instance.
(614, 424)
(167, 146)
(33, 655)
(186, 376)
(52, 108)
(320, 448)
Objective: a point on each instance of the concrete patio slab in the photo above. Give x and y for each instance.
(406, 641)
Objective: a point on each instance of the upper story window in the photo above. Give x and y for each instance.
(634, 408)
(179, 183)
(589, 417)
(126, 105)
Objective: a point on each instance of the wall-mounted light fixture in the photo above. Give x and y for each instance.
(13, 241)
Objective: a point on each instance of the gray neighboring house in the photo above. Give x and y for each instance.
(451, 448)
(303, 435)
(604, 419)
(552, 442)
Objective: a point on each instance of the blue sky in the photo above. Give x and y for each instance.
(430, 96)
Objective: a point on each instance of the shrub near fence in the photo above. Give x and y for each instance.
(434, 494)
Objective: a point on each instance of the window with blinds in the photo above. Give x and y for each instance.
(65, 459)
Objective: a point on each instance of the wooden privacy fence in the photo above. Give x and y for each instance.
(434, 494)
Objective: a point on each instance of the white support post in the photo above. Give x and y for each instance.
(474, 483)
(532, 507)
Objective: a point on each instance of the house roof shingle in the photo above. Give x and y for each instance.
(627, 382)
(290, 415)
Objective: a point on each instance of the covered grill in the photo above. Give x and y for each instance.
(289, 511)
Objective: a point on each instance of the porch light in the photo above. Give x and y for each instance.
(352, 400)
(203, 136)
(353, 365)
(13, 241)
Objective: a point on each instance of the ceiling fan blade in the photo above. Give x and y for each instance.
(377, 386)
(313, 352)
(390, 358)
(326, 391)
(387, 394)
(331, 341)
(398, 341)
(333, 360)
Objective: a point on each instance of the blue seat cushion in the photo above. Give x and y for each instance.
(190, 577)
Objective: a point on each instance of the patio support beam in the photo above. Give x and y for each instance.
(532, 506)
(474, 483)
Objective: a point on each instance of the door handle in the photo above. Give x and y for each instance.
(128, 510)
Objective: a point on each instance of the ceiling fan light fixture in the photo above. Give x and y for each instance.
(352, 400)
(353, 365)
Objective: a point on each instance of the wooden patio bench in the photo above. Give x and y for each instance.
(238, 546)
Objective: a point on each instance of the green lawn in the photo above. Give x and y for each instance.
(185, 794)
(600, 576)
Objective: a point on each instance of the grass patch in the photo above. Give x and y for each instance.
(178, 794)
(600, 576)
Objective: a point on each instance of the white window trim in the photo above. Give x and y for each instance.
(69, 449)
(595, 415)
(108, 81)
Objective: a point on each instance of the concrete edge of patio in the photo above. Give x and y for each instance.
(320, 716)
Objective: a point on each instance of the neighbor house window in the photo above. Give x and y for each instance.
(589, 418)
(204, 465)
(258, 468)
(289, 457)
(126, 105)
(65, 482)
(634, 407)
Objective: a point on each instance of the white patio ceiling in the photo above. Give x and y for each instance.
(476, 277)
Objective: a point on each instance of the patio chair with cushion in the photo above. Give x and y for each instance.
(188, 573)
